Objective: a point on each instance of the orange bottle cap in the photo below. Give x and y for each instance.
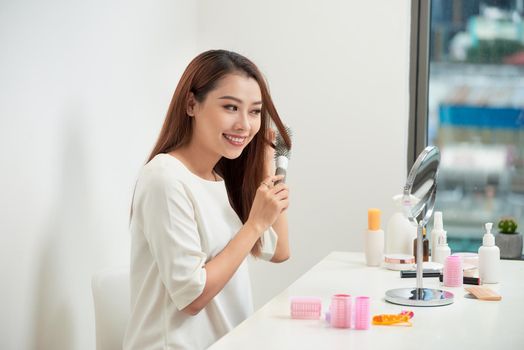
(373, 219)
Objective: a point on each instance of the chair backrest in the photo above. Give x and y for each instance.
(111, 298)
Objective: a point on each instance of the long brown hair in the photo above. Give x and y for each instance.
(244, 174)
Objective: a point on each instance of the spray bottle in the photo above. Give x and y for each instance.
(436, 232)
(442, 250)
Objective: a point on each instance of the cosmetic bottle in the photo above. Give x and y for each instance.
(425, 247)
(489, 257)
(436, 232)
(442, 250)
(374, 239)
(400, 232)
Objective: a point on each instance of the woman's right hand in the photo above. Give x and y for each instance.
(270, 201)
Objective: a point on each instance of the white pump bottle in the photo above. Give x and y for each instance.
(489, 258)
(442, 251)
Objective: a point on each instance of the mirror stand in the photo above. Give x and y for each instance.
(419, 296)
(422, 184)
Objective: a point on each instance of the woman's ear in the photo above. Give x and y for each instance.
(191, 102)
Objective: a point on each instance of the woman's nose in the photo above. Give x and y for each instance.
(242, 122)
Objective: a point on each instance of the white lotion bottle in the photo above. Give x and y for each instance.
(489, 257)
(374, 239)
(436, 232)
(442, 251)
(400, 232)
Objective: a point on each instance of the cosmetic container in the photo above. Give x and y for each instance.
(453, 275)
(374, 239)
(400, 232)
(399, 262)
(425, 246)
(436, 232)
(442, 250)
(489, 257)
(471, 259)
(340, 311)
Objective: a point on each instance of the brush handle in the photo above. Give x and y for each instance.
(281, 164)
(281, 171)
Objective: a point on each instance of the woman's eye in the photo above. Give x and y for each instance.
(256, 111)
(232, 108)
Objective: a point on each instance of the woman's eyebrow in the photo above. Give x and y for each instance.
(237, 99)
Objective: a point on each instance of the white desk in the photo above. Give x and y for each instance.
(465, 324)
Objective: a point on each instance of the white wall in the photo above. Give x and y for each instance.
(83, 91)
(84, 86)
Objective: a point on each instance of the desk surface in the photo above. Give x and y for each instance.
(467, 323)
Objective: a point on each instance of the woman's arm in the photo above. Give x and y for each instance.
(281, 229)
(222, 267)
(269, 203)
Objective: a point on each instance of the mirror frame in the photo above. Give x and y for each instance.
(427, 203)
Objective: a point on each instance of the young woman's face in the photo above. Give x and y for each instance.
(229, 117)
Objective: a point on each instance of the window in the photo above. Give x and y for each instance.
(467, 88)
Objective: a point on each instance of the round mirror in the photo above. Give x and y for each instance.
(418, 202)
(421, 187)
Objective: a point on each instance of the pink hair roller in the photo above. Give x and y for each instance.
(362, 313)
(340, 311)
(453, 273)
(306, 308)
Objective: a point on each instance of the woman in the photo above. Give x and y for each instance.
(205, 199)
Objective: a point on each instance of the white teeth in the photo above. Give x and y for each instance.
(235, 139)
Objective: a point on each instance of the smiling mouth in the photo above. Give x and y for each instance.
(235, 140)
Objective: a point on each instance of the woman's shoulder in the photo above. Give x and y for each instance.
(162, 170)
(161, 181)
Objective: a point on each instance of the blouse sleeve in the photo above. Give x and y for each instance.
(269, 244)
(171, 231)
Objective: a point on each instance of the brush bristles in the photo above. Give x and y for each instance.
(281, 148)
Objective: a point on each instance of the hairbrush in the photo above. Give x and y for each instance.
(282, 154)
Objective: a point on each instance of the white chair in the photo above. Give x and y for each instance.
(111, 297)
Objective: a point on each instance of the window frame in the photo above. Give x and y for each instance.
(418, 79)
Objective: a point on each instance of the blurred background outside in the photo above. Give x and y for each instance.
(476, 114)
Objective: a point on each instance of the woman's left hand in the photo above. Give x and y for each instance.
(269, 158)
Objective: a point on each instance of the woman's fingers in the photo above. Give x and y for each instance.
(270, 201)
(274, 178)
(264, 186)
(282, 195)
(279, 192)
(271, 134)
(284, 205)
(269, 181)
(279, 187)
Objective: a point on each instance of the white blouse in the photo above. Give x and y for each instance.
(180, 221)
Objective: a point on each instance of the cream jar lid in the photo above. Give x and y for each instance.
(399, 262)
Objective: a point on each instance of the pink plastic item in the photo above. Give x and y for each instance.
(306, 308)
(453, 273)
(340, 311)
(362, 314)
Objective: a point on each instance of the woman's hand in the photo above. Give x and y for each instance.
(270, 201)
